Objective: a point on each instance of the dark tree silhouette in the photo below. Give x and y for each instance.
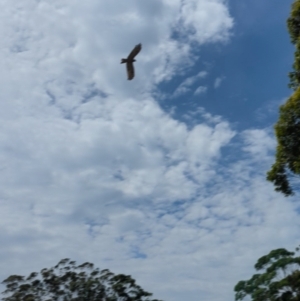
(68, 282)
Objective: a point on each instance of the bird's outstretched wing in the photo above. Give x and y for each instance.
(130, 70)
(134, 52)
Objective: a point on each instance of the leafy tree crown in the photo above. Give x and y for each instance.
(69, 282)
(279, 281)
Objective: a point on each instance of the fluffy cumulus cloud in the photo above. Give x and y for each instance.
(93, 169)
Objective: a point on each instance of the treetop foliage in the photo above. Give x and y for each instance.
(287, 160)
(293, 23)
(68, 282)
(280, 280)
(287, 130)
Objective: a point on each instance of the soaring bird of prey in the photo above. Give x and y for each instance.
(130, 59)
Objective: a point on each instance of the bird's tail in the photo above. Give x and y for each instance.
(123, 61)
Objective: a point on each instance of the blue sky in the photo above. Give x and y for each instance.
(162, 177)
(253, 66)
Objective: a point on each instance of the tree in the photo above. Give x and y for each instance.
(287, 130)
(280, 280)
(293, 23)
(287, 160)
(68, 282)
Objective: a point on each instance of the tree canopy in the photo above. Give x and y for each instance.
(293, 23)
(287, 160)
(287, 131)
(280, 280)
(68, 282)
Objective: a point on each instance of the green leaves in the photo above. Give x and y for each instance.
(287, 131)
(68, 282)
(272, 257)
(280, 280)
(293, 22)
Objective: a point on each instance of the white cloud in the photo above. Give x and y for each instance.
(259, 143)
(200, 90)
(185, 86)
(218, 82)
(195, 16)
(93, 169)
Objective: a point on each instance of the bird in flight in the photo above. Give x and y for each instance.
(130, 59)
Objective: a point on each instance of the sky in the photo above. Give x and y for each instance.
(161, 177)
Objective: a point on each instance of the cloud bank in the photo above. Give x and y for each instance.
(93, 169)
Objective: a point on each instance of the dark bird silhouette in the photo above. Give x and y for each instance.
(130, 59)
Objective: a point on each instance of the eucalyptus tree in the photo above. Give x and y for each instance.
(278, 281)
(70, 282)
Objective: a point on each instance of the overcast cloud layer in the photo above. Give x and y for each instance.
(93, 169)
